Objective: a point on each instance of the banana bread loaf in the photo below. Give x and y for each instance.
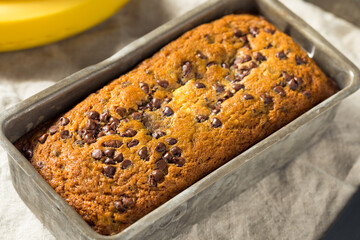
(197, 103)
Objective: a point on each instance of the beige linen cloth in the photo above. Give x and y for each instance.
(299, 201)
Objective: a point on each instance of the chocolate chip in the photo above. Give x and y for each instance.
(93, 115)
(269, 46)
(281, 55)
(157, 175)
(104, 116)
(298, 80)
(167, 100)
(168, 111)
(64, 134)
(119, 158)
(171, 141)
(143, 153)
(43, 138)
(28, 153)
(160, 147)
(218, 87)
(121, 111)
(109, 161)
(111, 132)
(237, 86)
(254, 31)
(242, 59)
(215, 122)
(152, 182)
(293, 85)
(123, 204)
(201, 118)
(109, 171)
(158, 134)
(179, 161)
(279, 90)
(224, 65)
(245, 40)
(64, 121)
(109, 152)
(144, 87)
(199, 85)
(161, 165)
(186, 68)
(127, 202)
(307, 94)
(266, 99)
(53, 129)
(269, 30)
(118, 205)
(112, 143)
(211, 64)
(248, 96)
(90, 125)
(238, 33)
(156, 102)
(132, 143)
(129, 133)
(125, 164)
(89, 138)
(136, 115)
(286, 76)
(253, 65)
(97, 154)
(162, 83)
(201, 55)
(259, 57)
(300, 61)
(167, 157)
(176, 151)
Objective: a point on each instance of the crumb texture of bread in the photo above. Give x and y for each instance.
(196, 104)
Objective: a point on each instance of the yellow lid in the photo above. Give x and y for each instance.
(30, 23)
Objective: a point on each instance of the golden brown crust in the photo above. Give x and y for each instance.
(220, 88)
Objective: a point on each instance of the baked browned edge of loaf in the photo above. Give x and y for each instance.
(196, 104)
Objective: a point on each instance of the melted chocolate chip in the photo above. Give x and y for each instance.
(186, 68)
(109, 171)
(168, 111)
(279, 90)
(129, 133)
(160, 147)
(43, 138)
(176, 151)
(156, 103)
(143, 153)
(201, 118)
(167, 157)
(242, 59)
(199, 85)
(125, 164)
(97, 154)
(119, 158)
(211, 64)
(144, 87)
(259, 57)
(307, 94)
(109, 161)
(136, 115)
(64, 121)
(248, 96)
(152, 182)
(104, 116)
(281, 55)
(93, 115)
(157, 175)
(112, 143)
(266, 99)
(161, 165)
(238, 33)
(237, 86)
(89, 138)
(253, 65)
(171, 141)
(109, 152)
(162, 83)
(28, 153)
(64, 134)
(121, 111)
(158, 134)
(201, 55)
(300, 61)
(53, 129)
(254, 31)
(269, 30)
(218, 87)
(286, 76)
(132, 143)
(293, 84)
(215, 122)
(123, 204)
(179, 161)
(90, 125)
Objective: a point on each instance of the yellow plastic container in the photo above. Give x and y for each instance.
(31, 23)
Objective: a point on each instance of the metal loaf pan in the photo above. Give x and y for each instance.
(212, 191)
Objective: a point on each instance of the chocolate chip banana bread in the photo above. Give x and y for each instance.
(197, 103)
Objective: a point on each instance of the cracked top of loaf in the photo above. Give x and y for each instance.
(197, 103)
